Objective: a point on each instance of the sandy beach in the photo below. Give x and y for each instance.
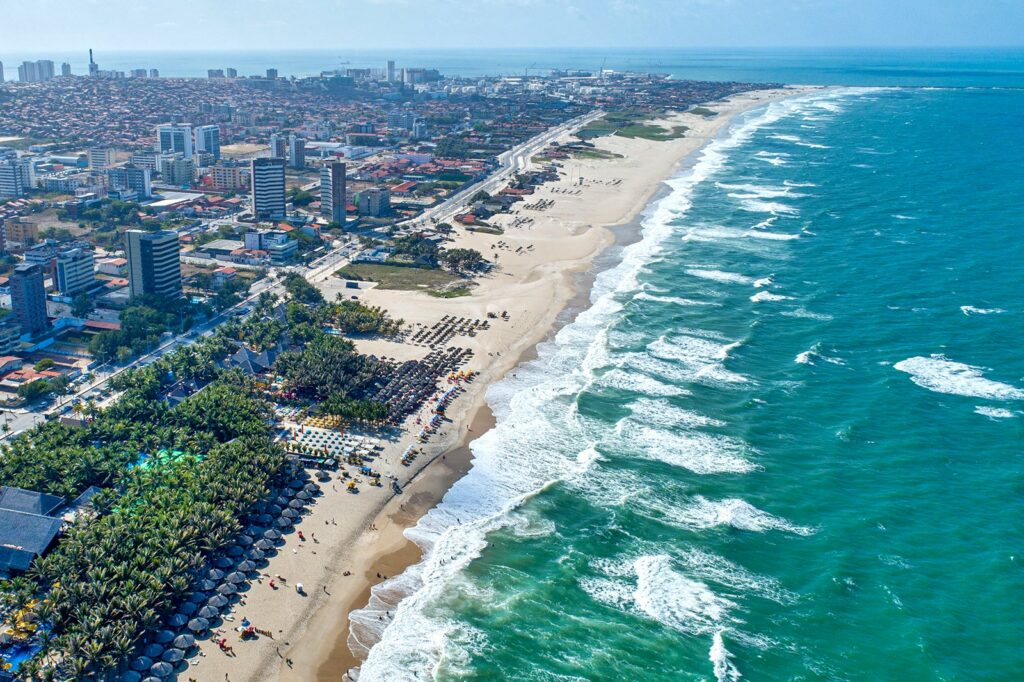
(354, 541)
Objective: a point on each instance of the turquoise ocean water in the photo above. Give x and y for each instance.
(784, 440)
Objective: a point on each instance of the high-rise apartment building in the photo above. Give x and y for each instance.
(154, 73)
(268, 196)
(28, 298)
(100, 157)
(76, 271)
(375, 202)
(94, 68)
(278, 146)
(227, 177)
(391, 71)
(131, 178)
(175, 138)
(177, 170)
(272, 74)
(231, 73)
(13, 178)
(65, 69)
(332, 192)
(208, 140)
(296, 152)
(1, 72)
(153, 265)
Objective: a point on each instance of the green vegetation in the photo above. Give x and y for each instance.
(452, 292)
(399, 278)
(453, 148)
(300, 197)
(141, 327)
(595, 154)
(463, 260)
(299, 289)
(630, 123)
(703, 111)
(328, 367)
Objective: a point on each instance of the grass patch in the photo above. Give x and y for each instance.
(703, 111)
(486, 229)
(595, 154)
(451, 292)
(632, 124)
(400, 278)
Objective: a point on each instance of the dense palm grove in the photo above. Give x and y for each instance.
(122, 567)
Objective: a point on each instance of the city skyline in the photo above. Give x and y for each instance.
(389, 24)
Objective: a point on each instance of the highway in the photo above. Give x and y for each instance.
(509, 162)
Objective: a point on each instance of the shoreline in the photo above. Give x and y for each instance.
(545, 289)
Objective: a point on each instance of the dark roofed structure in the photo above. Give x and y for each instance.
(28, 501)
(28, 526)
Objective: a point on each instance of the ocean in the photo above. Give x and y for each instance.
(783, 441)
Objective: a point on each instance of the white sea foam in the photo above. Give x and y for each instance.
(764, 282)
(702, 514)
(764, 296)
(971, 310)
(899, 216)
(785, 138)
(722, 661)
(701, 453)
(752, 191)
(814, 355)
(700, 357)
(540, 439)
(659, 412)
(774, 236)
(994, 412)
(640, 383)
(773, 207)
(942, 375)
(807, 314)
(644, 296)
(766, 223)
(720, 276)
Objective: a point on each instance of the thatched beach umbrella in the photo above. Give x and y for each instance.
(188, 608)
(263, 545)
(208, 612)
(246, 566)
(272, 534)
(290, 514)
(163, 637)
(223, 562)
(215, 574)
(198, 624)
(206, 585)
(244, 540)
(227, 588)
(151, 678)
(313, 488)
(197, 597)
(303, 495)
(235, 577)
(130, 676)
(284, 522)
(152, 650)
(265, 519)
(142, 663)
(217, 601)
(162, 669)
(178, 620)
(173, 655)
(256, 554)
(296, 504)
(183, 642)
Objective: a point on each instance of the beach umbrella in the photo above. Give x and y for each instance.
(207, 585)
(151, 679)
(284, 522)
(281, 501)
(164, 636)
(215, 574)
(297, 483)
(142, 663)
(234, 551)
(290, 514)
(130, 676)
(235, 577)
(227, 588)
(162, 669)
(246, 566)
(244, 540)
(303, 495)
(272, 534)
(198, 624)
(323, 475)
(184, 641)
(264, 519)
(296, 504)
(188, 608)
(275, 508)
(208, 612)
(173, 655)
(217, 601)
(153, 650)
(223, 562)
(197, 597)
(256, 554)
(177, 620)
(264, 545)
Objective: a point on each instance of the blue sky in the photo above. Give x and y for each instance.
(42, 25)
